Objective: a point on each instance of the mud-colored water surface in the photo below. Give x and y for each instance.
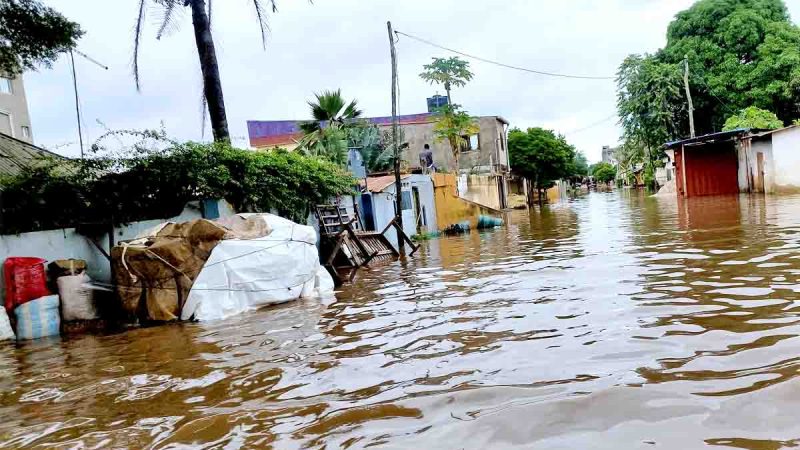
(615, 321)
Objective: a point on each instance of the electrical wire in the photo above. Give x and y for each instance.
(599, 122)
(508, 66)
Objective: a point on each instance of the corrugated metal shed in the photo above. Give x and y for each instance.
(16, 154)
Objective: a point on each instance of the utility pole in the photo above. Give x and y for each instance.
(398, 185)
(688, 95)
(75, 86)
(77, 103)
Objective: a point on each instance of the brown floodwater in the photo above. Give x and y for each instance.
(613, 321)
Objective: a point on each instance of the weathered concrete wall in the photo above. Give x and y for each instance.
(483, 189)
(383, 206)
(15, 105)
(452, 209)
(747, 153)
(66, 243)
(491, 138)
(786, 160)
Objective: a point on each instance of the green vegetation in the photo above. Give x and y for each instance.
(604, 172)
(753, 117)
(158, 183)
(327, 134)
(580, 166)
(452, 125)
(213, 99)
(372, 143)
(32, 34)
(540, 156)
(741, 53)
(448, 72)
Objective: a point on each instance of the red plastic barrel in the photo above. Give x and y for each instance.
(25, 280)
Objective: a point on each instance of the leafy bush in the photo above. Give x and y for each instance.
(604, 172)
(753, 117)
(157, 184)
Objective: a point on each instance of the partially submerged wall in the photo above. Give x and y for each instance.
(66, 243)
(452, 209)
(786, 164)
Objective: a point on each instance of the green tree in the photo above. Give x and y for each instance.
(454, 126)
(753, 117)
(213, 99)
(540, 156)
(449, 72)
(371, 143)
(604, 172)
(580, 166)
(741, 53)
(327, 134)
(32, 34)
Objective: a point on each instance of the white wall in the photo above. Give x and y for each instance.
(786, 154)
(67, 244)
(383, 206)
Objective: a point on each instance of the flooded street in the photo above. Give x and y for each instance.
(615, 321)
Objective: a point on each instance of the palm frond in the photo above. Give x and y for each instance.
(137, 37)
(310, 127)
(352, 111)
(167, 21)
(262, 19)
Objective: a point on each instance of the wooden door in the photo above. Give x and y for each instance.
(760, 172)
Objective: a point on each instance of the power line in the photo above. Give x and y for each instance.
(497, 63)
(599, 122)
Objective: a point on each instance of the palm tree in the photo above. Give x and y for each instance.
(447, 71)
(451, 125)
(201, 21)
(326, 135)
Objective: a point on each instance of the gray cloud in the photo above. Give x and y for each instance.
(343, 43)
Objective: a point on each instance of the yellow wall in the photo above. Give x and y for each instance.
(452, 209)
(483, 189)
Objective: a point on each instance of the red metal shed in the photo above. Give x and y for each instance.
(707, 165)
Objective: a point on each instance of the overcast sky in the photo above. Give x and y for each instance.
(344, 44)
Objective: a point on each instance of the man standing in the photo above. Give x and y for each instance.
(426, 160)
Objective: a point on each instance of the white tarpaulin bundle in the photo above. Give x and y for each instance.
(245, 274)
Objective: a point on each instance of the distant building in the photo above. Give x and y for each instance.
(14, 118)
(609, 155)
(485, 153)
(436, 102)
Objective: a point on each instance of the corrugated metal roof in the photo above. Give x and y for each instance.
(378, 184)
(16, 154)
(708, 138)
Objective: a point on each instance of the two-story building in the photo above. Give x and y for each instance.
(14, 118)
(483, 162)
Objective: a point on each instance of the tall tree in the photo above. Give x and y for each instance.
(448, 72)
(742, 53)
(327, 134)
(32, 34)
(540, 156)
(206, 51)
(454, 126)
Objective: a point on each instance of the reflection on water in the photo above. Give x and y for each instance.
(614, 321)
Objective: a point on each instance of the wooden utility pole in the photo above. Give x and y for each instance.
(688, 95)
(398, 185)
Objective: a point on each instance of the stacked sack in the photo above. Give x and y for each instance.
(38, 313)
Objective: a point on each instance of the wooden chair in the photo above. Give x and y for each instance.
(346, 247)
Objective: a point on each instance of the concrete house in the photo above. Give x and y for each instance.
(377, 204)
(483, 162)
(742, 160)
(14, 118)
